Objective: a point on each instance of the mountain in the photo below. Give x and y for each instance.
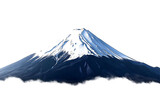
(79, 57)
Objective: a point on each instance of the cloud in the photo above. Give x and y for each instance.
(99, 83)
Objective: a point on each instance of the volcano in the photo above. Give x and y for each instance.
(79, 57)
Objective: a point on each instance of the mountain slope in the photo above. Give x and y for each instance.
(82, 42)
(79, 57)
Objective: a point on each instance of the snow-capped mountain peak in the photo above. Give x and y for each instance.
(82, 42)
(78, 58)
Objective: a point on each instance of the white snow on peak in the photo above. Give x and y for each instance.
(71, 45)
(82, 42)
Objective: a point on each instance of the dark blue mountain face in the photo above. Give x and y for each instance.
(80, 69)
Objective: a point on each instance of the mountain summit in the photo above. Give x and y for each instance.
(79, 57)
(82, 42)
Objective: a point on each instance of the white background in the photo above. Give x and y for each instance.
(130, 26)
